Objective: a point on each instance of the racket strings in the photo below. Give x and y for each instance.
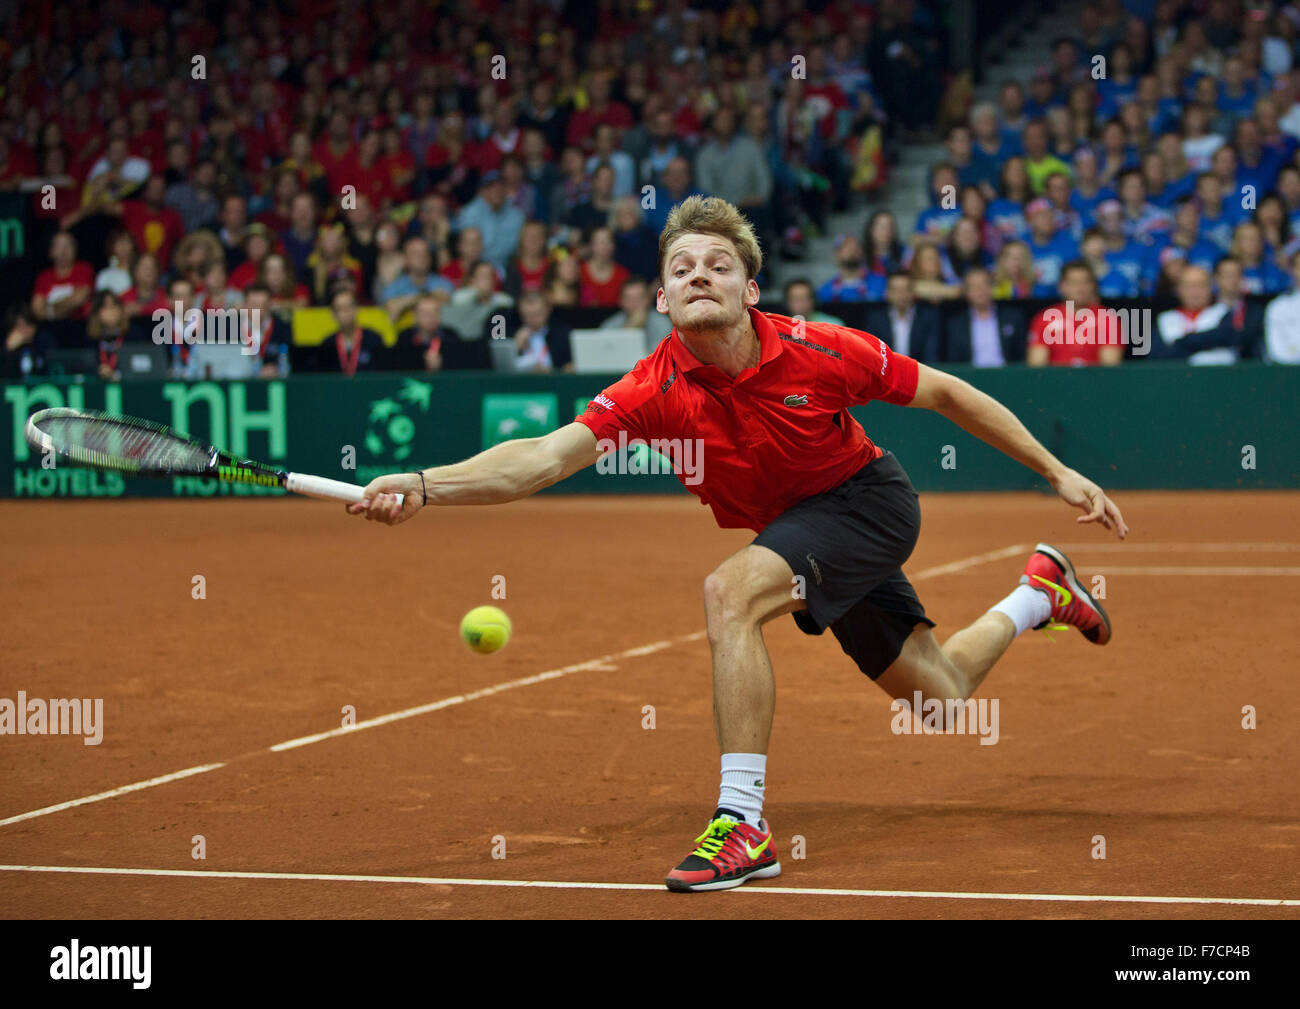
(133, 448)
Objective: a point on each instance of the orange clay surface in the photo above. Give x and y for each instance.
(308, 612)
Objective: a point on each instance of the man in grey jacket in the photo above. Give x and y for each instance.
(733, 166)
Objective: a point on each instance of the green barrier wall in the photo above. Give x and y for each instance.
(1146, 426)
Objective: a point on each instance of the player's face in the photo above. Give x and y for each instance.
(705, 288)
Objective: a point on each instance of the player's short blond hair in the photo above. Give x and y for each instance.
(712, 215)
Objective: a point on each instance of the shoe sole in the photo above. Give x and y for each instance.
(679, 886)
(1074, 585)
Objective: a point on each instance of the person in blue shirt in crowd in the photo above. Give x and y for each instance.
(1088, 191)
(1185, 241)
(1180, 180)
(989, 142)
(1056, 189)
(938, 218)
(1119, 86)
(852, 281)
(1143, 220)
(1219, 213)
(1131, 258)
(1235, 93)
(1011, 111)
(1049, 247)
(1163, 111)
(1111, 283)
(1288, 187)
(1007, 212)
(1259, 274)
(1116, 154)
(971, 170)
(1257, 165)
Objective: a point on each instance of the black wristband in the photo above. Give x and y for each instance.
(424, 493)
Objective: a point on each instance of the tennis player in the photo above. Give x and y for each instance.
(835, 516)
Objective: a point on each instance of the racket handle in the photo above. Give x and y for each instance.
(323, 487)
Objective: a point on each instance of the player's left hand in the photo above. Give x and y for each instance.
(1076, 489)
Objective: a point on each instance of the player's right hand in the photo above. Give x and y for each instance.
(379, 503)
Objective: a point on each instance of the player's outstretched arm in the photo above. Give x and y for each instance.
(991, 422)
(505, 472)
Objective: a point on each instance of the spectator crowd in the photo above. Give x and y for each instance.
(514, 160)
(396, 169)
(1153, 159)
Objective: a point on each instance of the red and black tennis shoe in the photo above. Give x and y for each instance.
(729, 852)
(1051, 572)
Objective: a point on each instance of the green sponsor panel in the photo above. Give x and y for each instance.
(13, 225)
(1140, 426)
(507, 416)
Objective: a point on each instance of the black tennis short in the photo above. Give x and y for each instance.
(849, 544)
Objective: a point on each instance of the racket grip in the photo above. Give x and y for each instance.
(329, 490)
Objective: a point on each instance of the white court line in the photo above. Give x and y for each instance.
(472, 696)
(112, 792)
(1212, 571)
(381, 720)
(1201, 548)
(1075, 898)
(449, 702)
(970, 562)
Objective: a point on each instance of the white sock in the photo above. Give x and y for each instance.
(744, 776)
(1026, 606)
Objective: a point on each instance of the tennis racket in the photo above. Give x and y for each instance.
(137, 447)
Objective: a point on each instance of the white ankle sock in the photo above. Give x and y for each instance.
(1026, 607)
(744, 776)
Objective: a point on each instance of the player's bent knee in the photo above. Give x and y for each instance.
(726, 601)
(748, 588)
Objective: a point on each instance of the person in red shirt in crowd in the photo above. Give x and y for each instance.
(1078, 331)
(753, 409)
(451, 161)
(16, 164)
(146, 293)
(258, 244)
(336, 153)
(286, 293)
(285, 187)
(83, 135)
(155, 227)
(506, 137)
(368, 175)
(397, 165)
(310, 174)
(527, 271)
(602, 278)
(600, 109)
(144, 138)
(469, 250)
(67, 193)
(64, 290)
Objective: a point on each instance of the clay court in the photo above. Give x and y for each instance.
(542, 744)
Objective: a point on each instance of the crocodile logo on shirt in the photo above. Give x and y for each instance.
(796, 401)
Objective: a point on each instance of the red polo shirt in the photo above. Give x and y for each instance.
(774, 435)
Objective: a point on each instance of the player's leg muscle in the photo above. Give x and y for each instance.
(751, 586)
(748, 589)
(922, 665)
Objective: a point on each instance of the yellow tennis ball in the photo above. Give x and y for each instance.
(485, 629)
